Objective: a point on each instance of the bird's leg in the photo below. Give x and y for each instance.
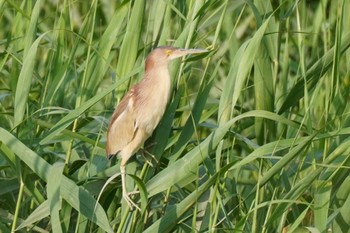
(126, 197)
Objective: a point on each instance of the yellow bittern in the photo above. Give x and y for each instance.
(141, 109)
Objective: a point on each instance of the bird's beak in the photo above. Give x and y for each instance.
(183, 52)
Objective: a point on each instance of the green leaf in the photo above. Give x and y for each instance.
(184, 170)
(42, 211)
(76, 196)
(322, 204)
(74, 114)
(240, 68)
(25, 81)
(170, 219)
(54, 195)
(313, 75)
(129, 47)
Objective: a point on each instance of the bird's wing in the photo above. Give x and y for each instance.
(122, 126)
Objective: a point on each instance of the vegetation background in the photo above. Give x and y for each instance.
(255, 139)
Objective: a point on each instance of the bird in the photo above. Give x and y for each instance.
(140, 110)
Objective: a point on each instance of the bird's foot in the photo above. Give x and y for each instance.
(130, 202)
(133, 193)
(146, 154)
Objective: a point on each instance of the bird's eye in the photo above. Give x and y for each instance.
(169, 52)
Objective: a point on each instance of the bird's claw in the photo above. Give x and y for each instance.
(133, 192)
(145, 153)
(128, 200)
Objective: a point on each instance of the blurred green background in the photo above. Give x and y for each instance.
(255, 138)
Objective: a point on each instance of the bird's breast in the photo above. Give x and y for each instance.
(154, 99)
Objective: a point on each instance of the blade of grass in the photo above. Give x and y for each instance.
(99, 61)
(184, 169)
(313, 74)
(24, 81)
(54, 195)
(322, 204)
(239, 70)
(74, 114)
(129, 47)
(75, 195)
(193, 119)
(169, 220)
(42, 211)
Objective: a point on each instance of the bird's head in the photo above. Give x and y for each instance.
(164, 54)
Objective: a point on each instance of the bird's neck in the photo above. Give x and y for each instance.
(157, 73)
